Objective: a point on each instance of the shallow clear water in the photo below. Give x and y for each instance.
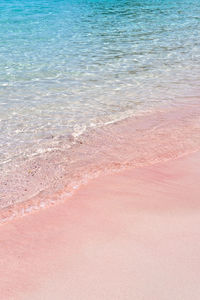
(67, 66)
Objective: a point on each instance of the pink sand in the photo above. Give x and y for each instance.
(132, 235)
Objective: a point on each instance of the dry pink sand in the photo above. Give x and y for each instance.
(132, 235)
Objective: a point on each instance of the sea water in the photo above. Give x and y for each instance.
(73, 68)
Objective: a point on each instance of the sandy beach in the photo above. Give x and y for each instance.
(129, 235)
(99, 150)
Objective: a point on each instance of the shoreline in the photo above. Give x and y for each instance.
(132, 142)
(128, 235)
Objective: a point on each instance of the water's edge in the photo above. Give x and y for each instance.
(134, 142)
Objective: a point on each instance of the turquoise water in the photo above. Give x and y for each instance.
(68, 66)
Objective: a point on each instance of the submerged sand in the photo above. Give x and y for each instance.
(130, 235)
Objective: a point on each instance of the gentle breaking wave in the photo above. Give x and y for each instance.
(51, 177)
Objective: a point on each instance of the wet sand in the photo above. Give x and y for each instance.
(130, 235)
